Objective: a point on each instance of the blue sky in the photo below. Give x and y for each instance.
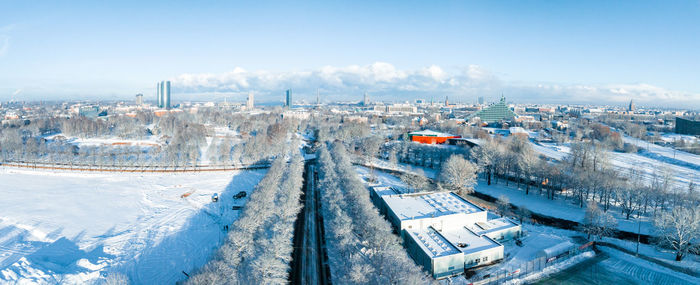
(99, 49)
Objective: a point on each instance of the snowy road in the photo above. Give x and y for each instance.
(308, 266)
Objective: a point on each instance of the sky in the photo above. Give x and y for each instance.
(597, 52)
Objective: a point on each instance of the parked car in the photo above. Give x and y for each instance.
(239, 195)
(215, 197)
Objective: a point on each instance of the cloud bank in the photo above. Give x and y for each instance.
(385, 82)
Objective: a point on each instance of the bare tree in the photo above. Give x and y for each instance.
(597, 222)
(459, 174)
(679, 229)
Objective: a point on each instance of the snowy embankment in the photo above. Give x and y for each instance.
(560, 208)
(627, 161)
(76, 227)
(667, 154)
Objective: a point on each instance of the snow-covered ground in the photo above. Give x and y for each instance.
(683, 173)
(666, 154)
(73, 227)
(560, 208)
(148, 141)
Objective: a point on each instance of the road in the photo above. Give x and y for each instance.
(308, 265)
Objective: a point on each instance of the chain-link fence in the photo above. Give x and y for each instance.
(524, 269)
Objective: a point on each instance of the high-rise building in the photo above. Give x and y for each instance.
(163, 94)
(447, 102)
(365, 100)
(249, 103)
(139, 99)
(481, 100)
(166, 95)
(631, 108)
(288, 102)
(159, 98)
(318, 97)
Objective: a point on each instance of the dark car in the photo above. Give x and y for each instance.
(239, 195)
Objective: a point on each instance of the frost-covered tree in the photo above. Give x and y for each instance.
(458, 174)
(679, 229)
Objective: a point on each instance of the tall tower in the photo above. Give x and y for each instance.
(288, 102)
(365, 100)
(166, 95)
(318, 97)
(249, 102)
(632, 108)
(447, 102)
(481, 100)
(159, 94)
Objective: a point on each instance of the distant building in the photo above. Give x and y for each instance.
(631, 107)
(365, 100)
(447, 102)
(430, 137)
(139, 99)
(249, 103)
(495, 113)
(481, 100)
(687, 127)
(288, 101)
(397, 108)
(163, 94)
(89, 111)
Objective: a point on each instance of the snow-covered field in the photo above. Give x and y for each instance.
(560, 208)
(73, 227)
(683, 171)
(667, 154)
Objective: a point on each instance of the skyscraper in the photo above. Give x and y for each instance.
(249, 102)
(288, 102)
(447, 102)
(139, 99)
(166, 95)
(632, 108)
(318, 97)
(481, 100)
(365, 100)
(159, 98)
(163, 94)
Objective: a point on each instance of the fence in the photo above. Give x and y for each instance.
(118, 168)
(533, 266)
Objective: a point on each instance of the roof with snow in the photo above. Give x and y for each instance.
(433, 243)
(467, 241)
(492, 225)
(414, 206)
(430, 133)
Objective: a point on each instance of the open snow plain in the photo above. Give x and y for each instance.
(75, 227)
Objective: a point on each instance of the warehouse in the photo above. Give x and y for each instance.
(442, 231)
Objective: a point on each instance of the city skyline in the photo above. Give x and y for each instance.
(537, 52)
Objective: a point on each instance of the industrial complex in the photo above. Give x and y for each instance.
(442, 231)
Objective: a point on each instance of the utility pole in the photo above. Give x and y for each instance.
(639, 229)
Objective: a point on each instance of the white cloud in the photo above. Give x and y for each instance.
(386, 82)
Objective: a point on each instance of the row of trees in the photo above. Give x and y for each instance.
(361, 245)
(259, 248)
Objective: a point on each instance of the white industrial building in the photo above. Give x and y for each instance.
(442, 231)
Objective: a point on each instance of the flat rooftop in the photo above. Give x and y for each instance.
(492, 225)
(468, 242)
(385, 190)
(433, 243)
(415, 206)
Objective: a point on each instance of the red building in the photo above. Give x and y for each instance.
(430, 137)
